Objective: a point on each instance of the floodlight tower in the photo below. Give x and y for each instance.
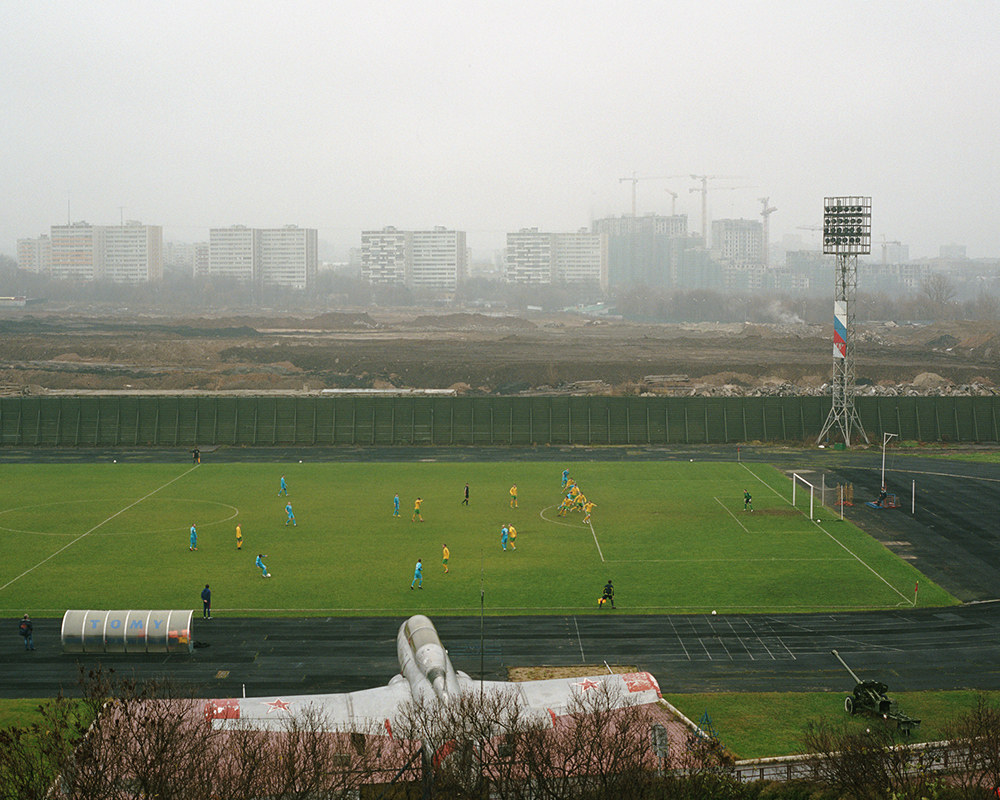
(847, 233)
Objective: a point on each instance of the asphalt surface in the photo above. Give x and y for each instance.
(951, 536)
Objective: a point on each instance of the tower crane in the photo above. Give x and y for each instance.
(704, 196)
(636, 178)
(673, 203)
(765, 213)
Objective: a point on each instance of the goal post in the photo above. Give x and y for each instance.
(796, 480)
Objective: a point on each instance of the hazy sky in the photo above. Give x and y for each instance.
(490, 117)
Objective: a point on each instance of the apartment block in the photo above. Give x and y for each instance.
(288, 256)
(385, 255)
(233, 252)
(133, 252)
(439, 259)
(431, 259)
(537, 257)
(738, 241)
(35, 255)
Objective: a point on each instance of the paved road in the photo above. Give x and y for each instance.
(952, 537)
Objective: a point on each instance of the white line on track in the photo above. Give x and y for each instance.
(730, 513)
(98, 525)
(583, 658)
(834, 538)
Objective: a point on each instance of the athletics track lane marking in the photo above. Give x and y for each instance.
(98, 525)
(834, 538)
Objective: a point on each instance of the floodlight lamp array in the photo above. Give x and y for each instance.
(847, 225)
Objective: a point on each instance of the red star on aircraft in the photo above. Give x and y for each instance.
(276, 705)
(587, 683)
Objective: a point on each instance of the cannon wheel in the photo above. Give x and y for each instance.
(849, 704)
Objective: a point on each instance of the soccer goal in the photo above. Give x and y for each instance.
(796, 480)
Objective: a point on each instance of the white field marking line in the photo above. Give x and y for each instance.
(730, 513)
(234, 515)
(555, 521)
(719, 560)
(403, 611)
(98, 525)
(579, 640)
(835, 539)
(592, 533)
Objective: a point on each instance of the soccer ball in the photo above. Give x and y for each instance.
(114, 461)
(713, 612)
(268, 575)
(300, 460)
(601, 601)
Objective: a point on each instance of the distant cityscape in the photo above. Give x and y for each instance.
(655, 251)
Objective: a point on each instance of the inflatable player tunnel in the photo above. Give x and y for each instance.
(127, 632)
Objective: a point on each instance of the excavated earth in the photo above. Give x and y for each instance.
(477, 353)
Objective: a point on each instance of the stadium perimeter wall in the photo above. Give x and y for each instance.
(114, 420)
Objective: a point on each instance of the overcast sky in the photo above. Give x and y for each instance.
(490, 117)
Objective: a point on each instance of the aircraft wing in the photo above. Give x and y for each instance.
(368, 711)
(558, 696)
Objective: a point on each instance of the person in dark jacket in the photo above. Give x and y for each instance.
(24, 628)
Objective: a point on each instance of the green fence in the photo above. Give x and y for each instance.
(115, 421)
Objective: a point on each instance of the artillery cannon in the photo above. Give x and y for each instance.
(870, 698)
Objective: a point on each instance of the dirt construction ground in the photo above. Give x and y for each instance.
(478, 353)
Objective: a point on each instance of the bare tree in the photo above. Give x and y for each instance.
(977, 735)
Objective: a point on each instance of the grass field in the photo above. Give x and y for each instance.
(673, 537)
(765, 724)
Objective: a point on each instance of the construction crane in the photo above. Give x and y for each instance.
(765, 213)
(673, 203)
(636, 178)
(704, 196)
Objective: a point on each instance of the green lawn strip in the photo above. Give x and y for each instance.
(984, 458)
(672, 536)
(766, 724)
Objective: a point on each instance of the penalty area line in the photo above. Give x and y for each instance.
(98, 525)
(730, 513)
(860, 560)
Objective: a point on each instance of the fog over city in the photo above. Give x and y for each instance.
(493, 117)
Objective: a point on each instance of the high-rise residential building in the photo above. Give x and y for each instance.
(233, 252)
(529, 257)
(642, 251)
(385, 255)
(288, 256)
(77, 251)
(200, 259)
(133, 253)
(432, 259)
(128, 253)
(439, 259)
(582, 257)
(738, 241)
(537, 257)
(285, 256)
(35, 255)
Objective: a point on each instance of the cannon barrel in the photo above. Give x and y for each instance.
(856, 678)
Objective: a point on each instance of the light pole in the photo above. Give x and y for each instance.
(885, 440)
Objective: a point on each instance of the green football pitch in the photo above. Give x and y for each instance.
(673, 537)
